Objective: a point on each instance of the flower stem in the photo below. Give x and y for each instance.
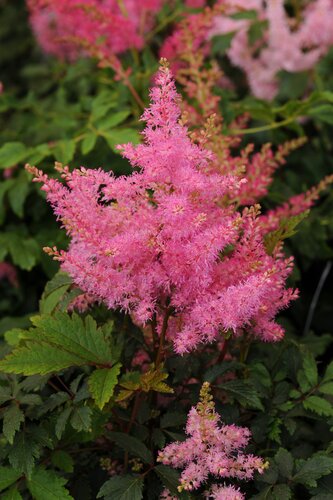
(160, 352)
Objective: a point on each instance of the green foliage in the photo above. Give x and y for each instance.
(102, 383)
(122, 487)
(73, 403)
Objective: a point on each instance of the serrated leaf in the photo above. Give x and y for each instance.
(169, 478)
(8, 476)
(38, 358)
(131, 444)
(310, 368)
(46, 485)
(62, 460)
(24, 452)
(329, 372)
(313, 469)
(281, 492)
(285, 462)
(153, 381)
(11, 494)
(75, 335)
(243, 392)
(54, 401)
(58, 342)
(101, 384)
(62, 421)
(286, 230)
(12, 418)
(54, 290)
(326, 388)
(81, 418)
(12, 153)
(122, 488)
(318, 405)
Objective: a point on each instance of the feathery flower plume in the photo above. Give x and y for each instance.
(63, 27)
(212, 449)
(168, 243)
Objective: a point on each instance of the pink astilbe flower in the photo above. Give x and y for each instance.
(224, 493)
(63, 27)
(286, 44)
(168, 242)
(212, 449)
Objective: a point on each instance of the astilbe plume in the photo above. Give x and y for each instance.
(290, 44)
(64, 28)
(211, 449)
(167, 243)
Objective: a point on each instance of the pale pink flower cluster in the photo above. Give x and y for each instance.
(212, 449)
(63, 28)
(218, 492)
(286, 44)
(168, 240)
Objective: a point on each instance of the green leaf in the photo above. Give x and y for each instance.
(131, 444)
(12, 494)
(58, 342)
(46, 485)
(24, 452)
(112, 120)
(24, 251)
(12, 153)
(62, 460)
(326, 388)
(64, 151)
(243, 392)
(38, 358)
(323, 113)
(310, 368)
(285, 462)
(75, 335)
(221, 43)
(12, 419)
(81, 419)
(286, 230)
(318, 405)
(329, 372)
(62, 421)
(54, 291)
(8, 476)
(281, 492)
(122, 488)
(313, 469)
(102, 383)
(18, 192)
(88, 142)
(169, 478)
(121, 136)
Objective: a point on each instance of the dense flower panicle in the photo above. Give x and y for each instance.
(168, 239)
(63, 27)
(286, 44)
(218, 492)
(212, 449)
